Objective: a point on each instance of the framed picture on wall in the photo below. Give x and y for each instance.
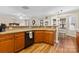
(33, 22)
(46, 23)
(41, 22)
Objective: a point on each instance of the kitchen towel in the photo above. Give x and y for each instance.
(30, 34)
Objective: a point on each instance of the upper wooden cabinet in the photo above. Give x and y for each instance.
(38, 36)
(44, 36)
(6, 43)
(19, 41)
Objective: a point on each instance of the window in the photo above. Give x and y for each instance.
(72, 22)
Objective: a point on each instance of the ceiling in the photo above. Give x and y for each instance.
(35, 10)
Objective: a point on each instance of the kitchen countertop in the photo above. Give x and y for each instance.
(25, 29)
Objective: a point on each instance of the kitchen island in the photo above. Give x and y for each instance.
(14, 40)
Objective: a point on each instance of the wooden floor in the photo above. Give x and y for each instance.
(66, 45)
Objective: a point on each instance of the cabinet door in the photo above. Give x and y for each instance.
(19, 41)
(77, 40)
(7, 46)
(38, 36)
(7, 43)
(49, 37)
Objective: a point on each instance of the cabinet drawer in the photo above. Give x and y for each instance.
(19, 34)
(6, 36)
(20, 38)
(6, 39)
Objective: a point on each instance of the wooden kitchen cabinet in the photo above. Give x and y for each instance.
(6, 43)
(12, 42)
(77, 40)
(49, 37)
(38, 36)
(45, 36)
(19, 41)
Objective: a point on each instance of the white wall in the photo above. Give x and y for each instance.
(12, 19)
(7, 19)
(23, 22)
(66, 15)
(73, 33)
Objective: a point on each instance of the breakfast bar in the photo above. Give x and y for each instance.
(14, 40)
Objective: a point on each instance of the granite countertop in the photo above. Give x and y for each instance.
(25, 29)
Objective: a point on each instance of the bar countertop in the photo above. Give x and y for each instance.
(25, 29)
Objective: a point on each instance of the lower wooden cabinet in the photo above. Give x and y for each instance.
(7, 46)
(45, 36)
(12, 42)
(19, 41)
(38, 36)
(16, 41)
(7, 43)
(49, 37)
(77, 40)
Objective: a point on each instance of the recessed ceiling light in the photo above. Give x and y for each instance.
(25, 7)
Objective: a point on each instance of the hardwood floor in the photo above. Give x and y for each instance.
(66, 45)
